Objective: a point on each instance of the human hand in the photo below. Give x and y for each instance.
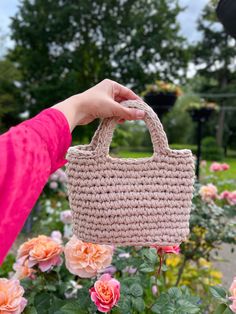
(101, 101)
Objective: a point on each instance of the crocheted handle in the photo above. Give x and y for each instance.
(103, 136)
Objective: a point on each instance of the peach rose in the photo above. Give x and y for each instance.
(105, 293)
(11, 296)
(208, 192)
(42, 251)
(86, 259)
(232, 290)
(23, 271)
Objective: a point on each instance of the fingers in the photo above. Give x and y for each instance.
(127, 113)
(121, 93)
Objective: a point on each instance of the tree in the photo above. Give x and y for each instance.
(64, 47)
(215, 56)
(10, 98)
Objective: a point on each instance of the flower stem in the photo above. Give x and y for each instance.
(160, 264)
(181, 269)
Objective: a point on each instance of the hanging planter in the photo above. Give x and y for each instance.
(201, 111)
(161, 96)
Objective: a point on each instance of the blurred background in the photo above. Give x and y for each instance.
(53, 49)
(177, 56)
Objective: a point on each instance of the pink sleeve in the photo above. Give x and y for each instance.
(29, 153)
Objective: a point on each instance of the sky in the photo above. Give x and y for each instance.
(187, 19)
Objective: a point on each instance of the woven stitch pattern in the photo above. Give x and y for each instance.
(130, 201)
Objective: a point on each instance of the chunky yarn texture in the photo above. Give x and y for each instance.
(125, 202)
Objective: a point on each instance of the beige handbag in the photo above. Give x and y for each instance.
(124, 202)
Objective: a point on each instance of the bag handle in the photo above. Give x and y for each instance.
(103, 136)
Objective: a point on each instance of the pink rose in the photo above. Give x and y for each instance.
(233, 306)
(56, 236)
(167, 249)
(66, 216)
(224, 195)
(105, 293)
(208, 192)
(232, 198)
(225, 167)
(215, 166)
(124, 255)
(53, 185)
(232, 290)
(154, 290)
(130, 270)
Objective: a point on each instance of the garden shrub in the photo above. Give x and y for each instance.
(211, 150)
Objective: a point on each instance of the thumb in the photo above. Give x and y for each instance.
(128, 113)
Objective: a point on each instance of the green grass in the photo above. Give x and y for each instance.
(226, 175)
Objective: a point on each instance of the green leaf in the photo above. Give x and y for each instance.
(42, 302)
(138, 304)
(57, 304)
(159, 283)
(187, 307)
(124, 304)
(169, 309)
(72, 307)
(145, 268)
(219, 293)
(220, 309)
(151, 255)
(30, 310)
(161, 303)
(51, 287)
(164, 267)
(136, 290)
(175, 293)
(228, 311)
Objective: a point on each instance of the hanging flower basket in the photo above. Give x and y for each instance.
(201, 111)
(160, 103)
(161, 96)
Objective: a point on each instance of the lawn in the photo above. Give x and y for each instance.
(226, 175)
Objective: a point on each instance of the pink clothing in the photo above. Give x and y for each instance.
(29, 153)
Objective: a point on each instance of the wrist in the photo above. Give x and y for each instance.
(70, 107)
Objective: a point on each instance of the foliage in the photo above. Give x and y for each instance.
(151, 282)
(64, 47)
(215, 54)
(9, 95)
(162, 87)
(177, 121)
(211, 150)
(203, 104)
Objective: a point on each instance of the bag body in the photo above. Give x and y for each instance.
(138, 202)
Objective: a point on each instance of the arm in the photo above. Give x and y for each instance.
(34, 149)
(30, 152)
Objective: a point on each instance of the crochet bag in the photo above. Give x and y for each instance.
(124, 202)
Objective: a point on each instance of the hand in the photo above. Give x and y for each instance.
(100, 101)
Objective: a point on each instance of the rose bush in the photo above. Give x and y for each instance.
(63, 275)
